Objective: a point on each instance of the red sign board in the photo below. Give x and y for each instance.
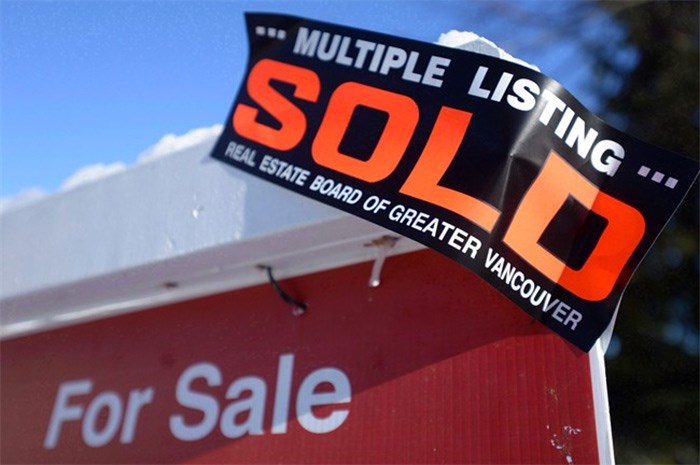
(433, 366)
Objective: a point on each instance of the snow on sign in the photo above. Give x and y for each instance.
(490, 163)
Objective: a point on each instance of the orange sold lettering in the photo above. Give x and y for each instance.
(555, 183)
(449, 131)
(292, 120)
(403, 117)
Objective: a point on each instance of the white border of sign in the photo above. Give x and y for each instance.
(601, 407)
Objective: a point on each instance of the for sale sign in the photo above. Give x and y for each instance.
(436, 369)
(490, 163)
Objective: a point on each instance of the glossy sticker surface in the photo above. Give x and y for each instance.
(488, 162)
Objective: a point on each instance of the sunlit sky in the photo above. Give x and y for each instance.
(99, 82)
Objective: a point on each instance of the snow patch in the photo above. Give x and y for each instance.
(474, 43)
(167, 145)
(22, 199)
(171, 143)
(91, 173)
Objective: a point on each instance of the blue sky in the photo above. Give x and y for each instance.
(98, 82)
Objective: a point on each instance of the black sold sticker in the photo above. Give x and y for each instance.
(490, 163)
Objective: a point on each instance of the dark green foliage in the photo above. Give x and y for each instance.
(653, 362)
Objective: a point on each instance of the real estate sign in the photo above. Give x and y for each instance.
(433, 366)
